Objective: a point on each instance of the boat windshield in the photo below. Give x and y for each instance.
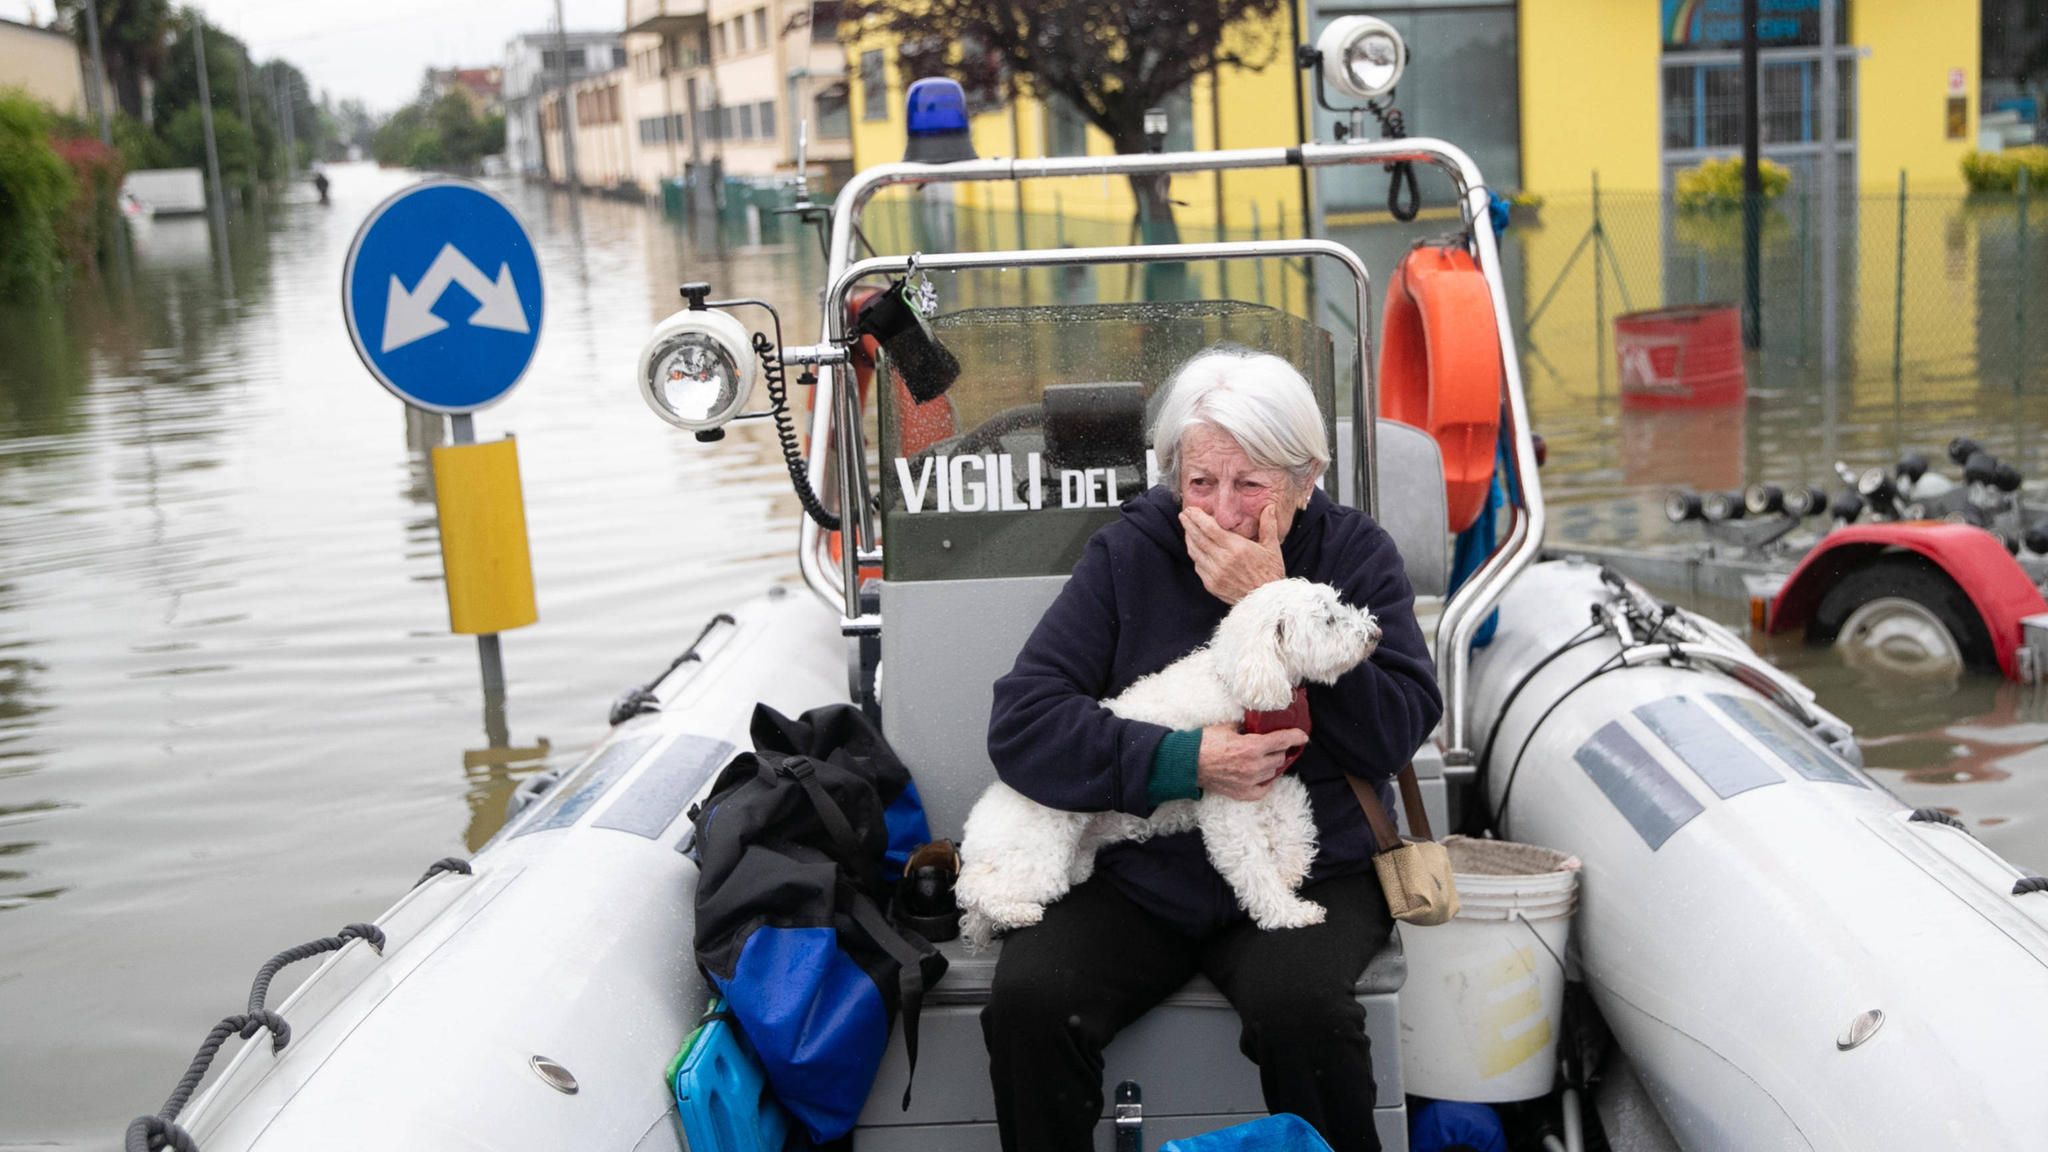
(1048, 427)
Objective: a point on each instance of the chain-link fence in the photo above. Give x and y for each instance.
(1899, 323)
(1927, 290)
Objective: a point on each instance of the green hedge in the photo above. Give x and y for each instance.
(1717, 184)
(36, 192)
(2000, 171)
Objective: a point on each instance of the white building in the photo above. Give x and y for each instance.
(533, 65)
(711, 89)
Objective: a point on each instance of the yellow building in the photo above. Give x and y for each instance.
(1542, 93)
(1231, 108)
(1636, 91)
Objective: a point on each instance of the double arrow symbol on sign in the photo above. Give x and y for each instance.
(409, 316)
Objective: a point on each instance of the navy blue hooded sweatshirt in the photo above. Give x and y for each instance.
(1135, 605)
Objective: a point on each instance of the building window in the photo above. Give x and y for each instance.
(1066, 133)
(825, 21)
(767, 108)
(1477, 104)
(1180, 121)
(721, 48)
(676, 123)
(1703, 104)
(834, 122)
(725, 124)
(618, 57)
(746, 121)
(760, 27)
(874, 86)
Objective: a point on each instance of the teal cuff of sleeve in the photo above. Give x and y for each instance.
(1173, 768)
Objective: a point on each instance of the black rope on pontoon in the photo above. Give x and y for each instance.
(640, 698)
(1936, 816)
(455, 864)
(150, 1133)
(2026, 884)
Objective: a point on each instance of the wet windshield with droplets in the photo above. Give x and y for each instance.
(1048, 427)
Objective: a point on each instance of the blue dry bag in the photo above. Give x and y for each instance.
(793, 846)
(1283, 1133)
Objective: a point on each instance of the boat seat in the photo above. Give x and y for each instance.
(936, 686)
(1412, 501)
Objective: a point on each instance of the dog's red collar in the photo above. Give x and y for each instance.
(1295, 715)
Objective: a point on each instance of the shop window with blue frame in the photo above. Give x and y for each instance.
(1702, 88)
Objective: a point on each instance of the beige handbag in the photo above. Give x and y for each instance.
(1416, 873)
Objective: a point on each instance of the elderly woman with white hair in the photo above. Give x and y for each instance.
(1242, 446)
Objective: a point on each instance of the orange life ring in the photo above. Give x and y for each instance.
(1440, 368)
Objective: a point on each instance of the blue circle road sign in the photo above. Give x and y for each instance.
(442, 295)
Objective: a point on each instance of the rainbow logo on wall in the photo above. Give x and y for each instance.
(1681, 22)
(1717, 24)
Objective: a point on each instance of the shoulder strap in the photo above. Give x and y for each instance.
(1383, 831)
(799, 768)
(910, 975)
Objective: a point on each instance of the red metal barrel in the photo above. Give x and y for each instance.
(1688, 357)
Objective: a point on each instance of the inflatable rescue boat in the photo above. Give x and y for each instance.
(1784, 956)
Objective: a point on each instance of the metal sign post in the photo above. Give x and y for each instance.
(442, 296)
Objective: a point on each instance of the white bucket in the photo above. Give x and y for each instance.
(1484, 1000)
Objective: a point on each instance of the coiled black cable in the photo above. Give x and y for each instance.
(1401, 174)
(785, 430)
(1613, 663)
(1587, 635)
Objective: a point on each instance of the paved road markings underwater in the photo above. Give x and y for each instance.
(451, 352)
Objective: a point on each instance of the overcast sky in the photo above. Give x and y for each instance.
(375, 50)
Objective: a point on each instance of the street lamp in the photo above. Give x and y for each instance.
(1155, 129)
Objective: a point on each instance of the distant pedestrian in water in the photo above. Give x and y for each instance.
(320, 185)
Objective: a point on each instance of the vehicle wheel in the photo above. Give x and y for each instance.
(1902, 614)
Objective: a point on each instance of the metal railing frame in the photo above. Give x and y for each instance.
(835, 422)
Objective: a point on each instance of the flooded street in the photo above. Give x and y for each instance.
(231, 714)
(232, 717)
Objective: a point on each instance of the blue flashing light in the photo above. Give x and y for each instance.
(936, 107)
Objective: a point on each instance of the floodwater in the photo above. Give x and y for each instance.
(231, 714)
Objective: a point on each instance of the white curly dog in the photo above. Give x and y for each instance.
(1018, 856)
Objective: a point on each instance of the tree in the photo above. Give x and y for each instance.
(438, 133)
(132, 34)
(184, 137)
(1110, 60)
(354, 126)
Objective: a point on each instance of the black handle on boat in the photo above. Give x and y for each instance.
(1130, 1117)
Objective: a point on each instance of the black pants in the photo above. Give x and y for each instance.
(1097, 962)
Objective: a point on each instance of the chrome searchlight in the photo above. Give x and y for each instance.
(1362, 55)
(697, 372)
